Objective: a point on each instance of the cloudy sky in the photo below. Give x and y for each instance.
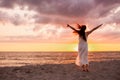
(44, 21)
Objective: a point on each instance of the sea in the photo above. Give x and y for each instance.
(41, 58)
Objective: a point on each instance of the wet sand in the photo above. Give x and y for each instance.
(104, 70)
(100, 69)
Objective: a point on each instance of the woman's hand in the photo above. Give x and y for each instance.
(68, 25)
(100, 25)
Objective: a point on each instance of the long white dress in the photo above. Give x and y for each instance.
(82, 57)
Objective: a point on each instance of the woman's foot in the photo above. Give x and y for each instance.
(83, 67)
(86, 68)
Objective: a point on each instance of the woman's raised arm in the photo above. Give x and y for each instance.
(72, 28)
(94, 29)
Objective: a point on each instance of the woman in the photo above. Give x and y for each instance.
(82, 58)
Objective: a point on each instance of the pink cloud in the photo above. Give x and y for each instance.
(45, 20)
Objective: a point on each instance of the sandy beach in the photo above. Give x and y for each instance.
(103, 66)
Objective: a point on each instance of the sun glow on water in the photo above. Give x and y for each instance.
(76, 48)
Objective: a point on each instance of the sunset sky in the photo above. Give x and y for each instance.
(40, 25)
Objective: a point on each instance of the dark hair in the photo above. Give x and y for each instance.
(82, 32)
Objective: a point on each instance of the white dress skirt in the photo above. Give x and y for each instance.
(82, 57)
